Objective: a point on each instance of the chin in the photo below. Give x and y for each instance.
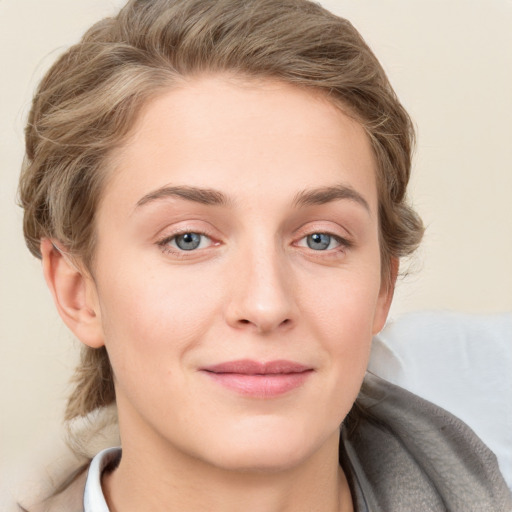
(275, 450)
(260, 461)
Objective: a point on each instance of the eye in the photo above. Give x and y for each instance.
(187, 241)
(320, 242)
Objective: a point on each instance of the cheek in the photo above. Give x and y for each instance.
(341, 314)
(148, 317)
(340, 319)
(345, 304)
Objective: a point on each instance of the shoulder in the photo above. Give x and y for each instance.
(406, 451)
(71, 499)
(53, 477)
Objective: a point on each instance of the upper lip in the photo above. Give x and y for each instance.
(250, 367)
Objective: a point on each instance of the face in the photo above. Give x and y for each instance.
(237, 273)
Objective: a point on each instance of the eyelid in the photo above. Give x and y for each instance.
(163, 241)
(169, 241)
(342, 242)
(188, 226)
(342, 247)
(330, 228)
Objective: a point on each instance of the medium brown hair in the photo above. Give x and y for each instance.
(89, 100)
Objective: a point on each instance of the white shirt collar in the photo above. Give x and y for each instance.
(94, 500)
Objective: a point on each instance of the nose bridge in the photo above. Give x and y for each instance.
(262, 295)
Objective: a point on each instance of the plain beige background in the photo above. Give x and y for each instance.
(451, 64)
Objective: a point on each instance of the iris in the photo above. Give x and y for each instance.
(188, 241)
(318, 241)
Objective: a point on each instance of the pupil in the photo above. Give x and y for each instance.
(318, 241)
(188, 241)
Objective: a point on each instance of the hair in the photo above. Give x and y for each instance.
(88, 102)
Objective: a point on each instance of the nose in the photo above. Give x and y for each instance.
(261, 293)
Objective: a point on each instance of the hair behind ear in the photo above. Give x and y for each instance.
(93, 383)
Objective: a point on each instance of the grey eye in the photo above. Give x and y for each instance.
(188, 241)
(318, 241)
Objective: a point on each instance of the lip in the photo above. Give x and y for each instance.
(259, 379)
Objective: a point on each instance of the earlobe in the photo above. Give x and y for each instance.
(386, 297)
(74, 294)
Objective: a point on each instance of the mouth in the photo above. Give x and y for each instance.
(259, 380)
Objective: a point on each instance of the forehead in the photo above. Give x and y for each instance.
(241, 136)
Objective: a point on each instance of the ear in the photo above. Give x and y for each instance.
(387, 290)
(74, 293)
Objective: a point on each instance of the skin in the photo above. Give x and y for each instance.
(253, 289)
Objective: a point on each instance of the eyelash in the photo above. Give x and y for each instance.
(343, 242)
(344, 245)
(166, 248)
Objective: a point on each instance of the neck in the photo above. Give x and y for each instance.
(166, 479)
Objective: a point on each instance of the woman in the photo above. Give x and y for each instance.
(217, 193)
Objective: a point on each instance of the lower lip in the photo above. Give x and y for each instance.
(261, 386)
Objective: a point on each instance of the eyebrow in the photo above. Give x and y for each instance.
(324, 195)
(212, 197)
(205, 196)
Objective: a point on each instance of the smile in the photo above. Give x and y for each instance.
(259, 380)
